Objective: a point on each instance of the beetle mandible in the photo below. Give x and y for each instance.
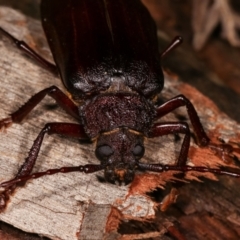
(113, 76)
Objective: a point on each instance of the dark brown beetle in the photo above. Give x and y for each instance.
(106, 52)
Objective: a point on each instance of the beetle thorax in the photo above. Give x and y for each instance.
(109, 111)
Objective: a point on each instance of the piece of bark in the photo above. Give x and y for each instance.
(55, 206)
(94, 216)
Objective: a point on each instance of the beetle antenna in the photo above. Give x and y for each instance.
(89, 168)
(186, 168)
(175, 43)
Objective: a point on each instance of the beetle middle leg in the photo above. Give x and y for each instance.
(203, 140)
(65, 129)
(30, 52)
(160, 129)
(63, 101)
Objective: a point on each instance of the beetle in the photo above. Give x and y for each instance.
(113, 76)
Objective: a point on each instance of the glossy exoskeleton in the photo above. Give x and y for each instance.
(106, 52)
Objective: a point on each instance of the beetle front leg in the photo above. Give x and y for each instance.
(177, 102)
(62, 100)
(224, 151)
(160, 129)
(65, 129)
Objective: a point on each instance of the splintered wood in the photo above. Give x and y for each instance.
(57, 206)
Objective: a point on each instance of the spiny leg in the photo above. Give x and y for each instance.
(65, 129)
(30, 52)
(63, 101)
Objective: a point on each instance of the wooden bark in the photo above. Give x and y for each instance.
(58, 206)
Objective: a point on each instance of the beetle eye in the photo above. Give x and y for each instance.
(138, 151)
(103, 151)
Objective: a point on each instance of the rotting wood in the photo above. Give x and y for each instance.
(54, 206)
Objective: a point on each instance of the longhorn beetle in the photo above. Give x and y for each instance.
(106, 52)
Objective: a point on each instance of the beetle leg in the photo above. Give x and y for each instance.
(160, 129)
(224, 151)
(177, 102)
(63, 101)
(65, 129)
(30, 52)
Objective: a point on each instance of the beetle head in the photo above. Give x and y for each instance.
(120, 150)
